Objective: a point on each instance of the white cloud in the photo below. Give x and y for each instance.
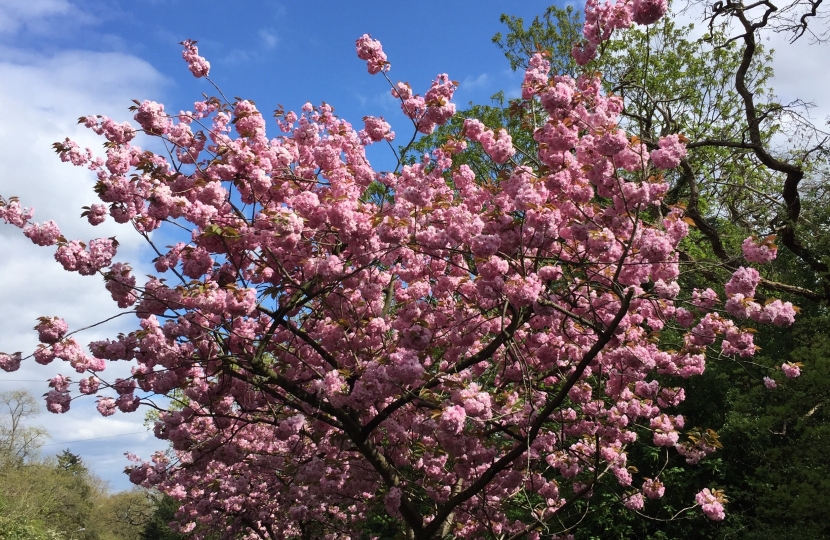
(269, 38)
(36, 15)
(802, 71)
(470, 82)
(43, 97)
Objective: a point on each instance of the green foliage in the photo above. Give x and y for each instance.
(164, 511)
(16, 530)
(56, 498)
(555, 33)
(775, 457)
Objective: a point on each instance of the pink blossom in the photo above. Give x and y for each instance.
(86, 260)
(452, 419)
(580, 393)
(114, 132)
(497, 146)
(126, 403)
(152, 118)
(249, 121)
(584, 52)
(634, 501)
(485, 245)
(549, 273)
(377, 129)
(51, 329)
(536, 76)
(776, 312)
(653, 488)
(392, 501)
(44, 355)
(612, 143)
(791, 370)
(15, 214)
(649, 11)
(711, 502)
(664, 429)
(196, 262)
(666, 290)
(43, 234)
(655, 246)
(439, 109)
(558, 97)
(89, 385)
(402, 91)
(522, 291)
(96, 214)
(10, 362)
(743, 281)
(738, 342)
(58, 401)
(684, 317)
(743, 307)
(106, 406)
(762, 252)
(672, 149)
(121, 285)
(70, 152)
(704, 299)
(290, 426)
(770, 383)
(370, 50)
(624, 477)
(197, 65)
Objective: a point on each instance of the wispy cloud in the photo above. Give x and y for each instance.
(38, 16)
(481, 81)
(269, 38)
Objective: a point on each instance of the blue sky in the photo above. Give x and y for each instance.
(288, 52)
(62, 59)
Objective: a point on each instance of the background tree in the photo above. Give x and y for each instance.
(58, 498)
(18, 441)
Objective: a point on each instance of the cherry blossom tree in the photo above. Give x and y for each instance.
(467, 356)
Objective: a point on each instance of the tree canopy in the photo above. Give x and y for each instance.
(546, 316)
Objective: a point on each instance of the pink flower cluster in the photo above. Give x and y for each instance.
(791, 370)
(376, 130)
(603, 17)
(672, 150)
(10, 362)
(371, 50)
(497, 146)
(653, 488)
(96, 214)
(712, 504)
(43, 234)
(11, 212)
(648, 11)
(433, 109)
(760, 252)
(741, 288)
(197, 65)
(51, 329)
(76, 256)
